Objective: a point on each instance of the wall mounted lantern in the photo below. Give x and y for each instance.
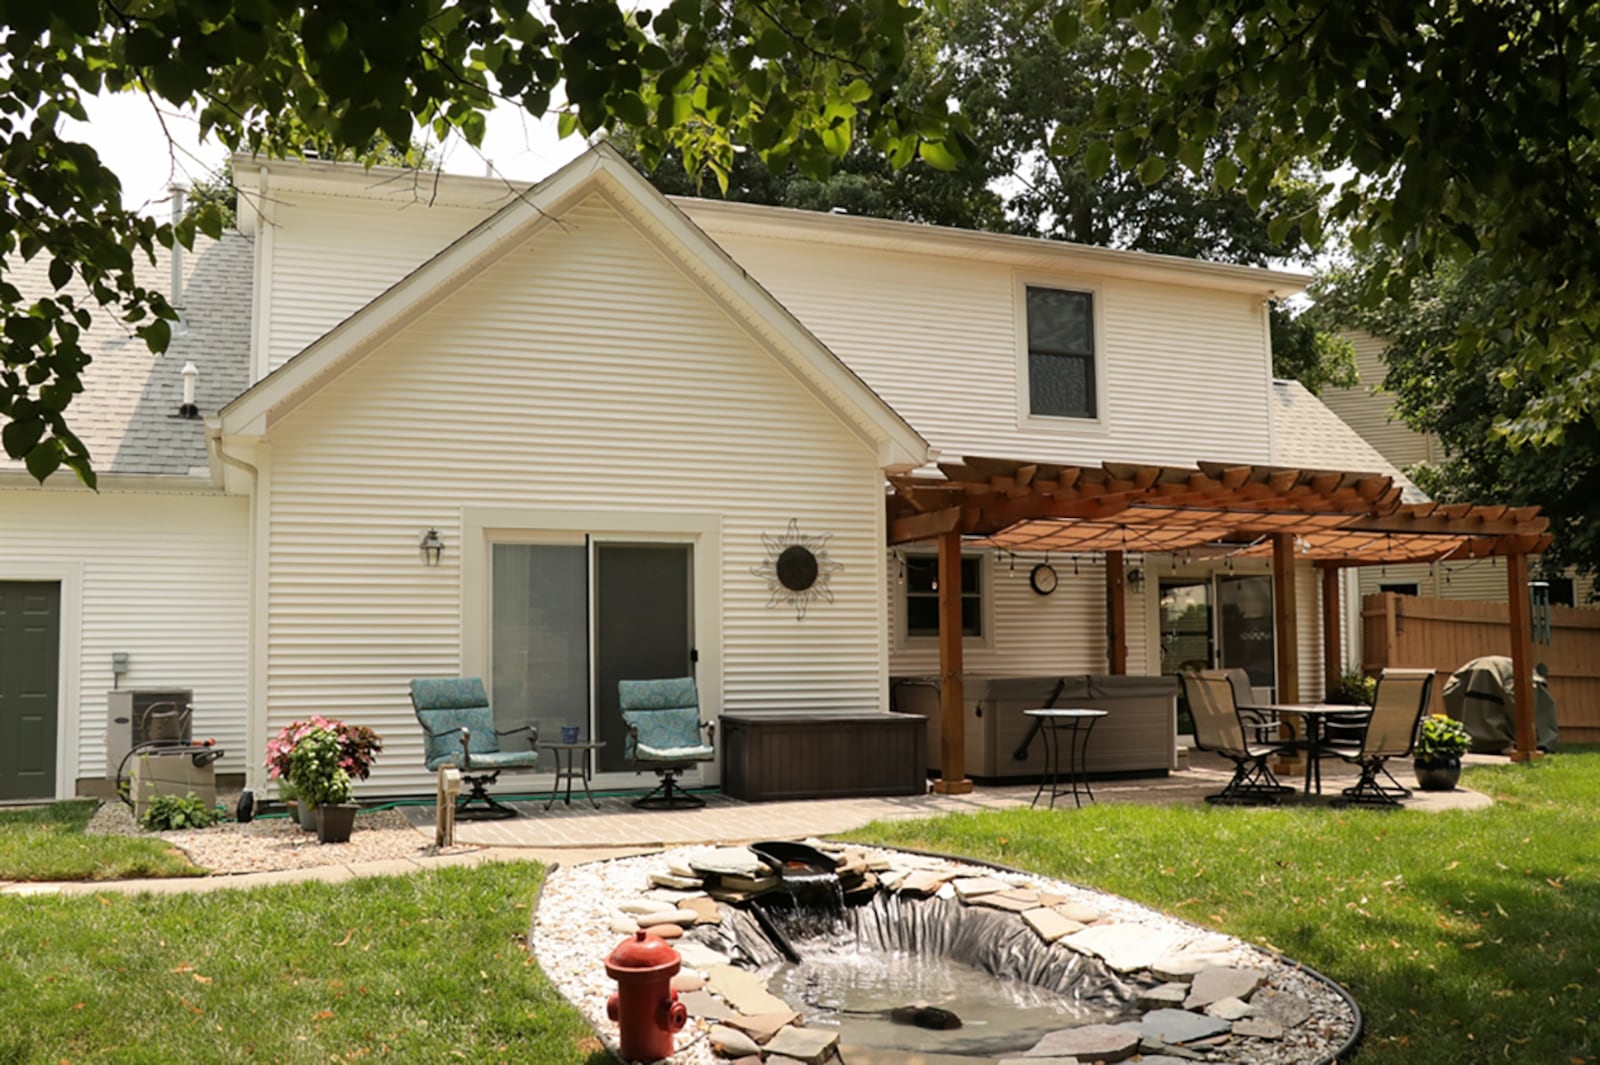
(1136, 578)
(432, 547)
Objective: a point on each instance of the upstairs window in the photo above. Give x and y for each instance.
(1061, 353)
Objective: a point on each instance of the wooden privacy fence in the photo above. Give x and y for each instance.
(1444, 634)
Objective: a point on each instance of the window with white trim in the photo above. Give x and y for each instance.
(922, 596)
(1061, 356)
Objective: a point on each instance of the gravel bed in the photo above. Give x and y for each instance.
(267, 845)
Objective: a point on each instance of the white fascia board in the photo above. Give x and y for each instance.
(719, 216)
(165, 484)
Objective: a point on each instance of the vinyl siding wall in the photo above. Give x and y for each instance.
(165, 578)
(583, 373)
(1185, 369)
(1369, 410)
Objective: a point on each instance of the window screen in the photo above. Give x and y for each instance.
(922, 595)
(1061, 353)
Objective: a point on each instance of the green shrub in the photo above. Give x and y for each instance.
(167, 812)
(1354, 689)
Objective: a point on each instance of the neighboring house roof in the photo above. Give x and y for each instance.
(127, 413)
(1306, 433)
(601, 170)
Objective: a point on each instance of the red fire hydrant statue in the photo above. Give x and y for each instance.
(645, 1007)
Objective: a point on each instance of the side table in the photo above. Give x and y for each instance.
(1077, 724)
(576, 767)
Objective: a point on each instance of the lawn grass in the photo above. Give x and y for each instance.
(1469, 936)
(426, 968)
(47, 843)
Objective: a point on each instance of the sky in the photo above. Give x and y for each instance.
(133, 140)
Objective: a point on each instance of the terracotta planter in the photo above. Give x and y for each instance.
(336, 821)
(1439, 774)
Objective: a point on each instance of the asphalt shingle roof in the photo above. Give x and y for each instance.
(127, 413)
(1306, 433)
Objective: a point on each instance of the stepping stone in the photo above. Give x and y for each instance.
(1211, 985)
(676, 882)
(1043, 1061)
(1230, 1009)
(763, 1026)
(732, 1043)
(1208, 952)
(1000, 901)
(878, 863)
(728, 861)
(679, 917)
(1181, 1026)
(705, 1005)
(1124, 947)
(1090, 1042)
(1156, 1050)
(1170, 995)
(676, 895)
(624, 924)
(682, 869)
(745, 991)
(892, 879)
(805, 1044)
(1285, 1009)
(1077, 911)
(705, 910)
(698, 955)
(638, 906)
(1049, 924)
(684, 982)
(1168, 1059)
(969, 887)
(666, 931)
(1258, 1028)
(1028, 895)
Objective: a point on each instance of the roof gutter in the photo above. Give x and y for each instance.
(167, 483)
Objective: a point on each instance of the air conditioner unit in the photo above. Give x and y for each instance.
(125, 717)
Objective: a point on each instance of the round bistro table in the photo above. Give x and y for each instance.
(576, 768)
(1077, 724)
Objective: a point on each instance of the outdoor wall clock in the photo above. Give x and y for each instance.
(797, 568)
(1043, 578)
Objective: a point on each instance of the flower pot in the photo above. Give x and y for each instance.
(307, 814)
(335, 822)
(1439, 774)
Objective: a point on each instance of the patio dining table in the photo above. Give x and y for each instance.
(1315, 740)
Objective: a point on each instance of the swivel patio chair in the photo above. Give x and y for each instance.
(663, 719)
(1260, 722)
(458, 733)
(1218, 728)
(1391, 732)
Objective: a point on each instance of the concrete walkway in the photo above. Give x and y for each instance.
(581, 833)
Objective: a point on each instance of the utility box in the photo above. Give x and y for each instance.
(125, 717)
(175, 771)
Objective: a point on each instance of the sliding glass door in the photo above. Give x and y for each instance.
(569, 620)
(1236, 632)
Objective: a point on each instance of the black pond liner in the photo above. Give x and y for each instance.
(1345, 1053)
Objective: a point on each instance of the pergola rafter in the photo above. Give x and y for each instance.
(1333, 518)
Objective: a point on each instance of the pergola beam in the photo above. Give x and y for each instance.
(1521, 620)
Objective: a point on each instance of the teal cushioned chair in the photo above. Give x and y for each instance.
(663, 719)
(458, 733)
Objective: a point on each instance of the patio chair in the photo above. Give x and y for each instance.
(663, 719)
(1264, 724)
(1218, 728)
(458, 733)
(1391, 732)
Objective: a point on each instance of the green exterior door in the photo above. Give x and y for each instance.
(30, 652)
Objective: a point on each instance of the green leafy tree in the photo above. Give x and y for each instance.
(1451, 130)
(1465, 402)
(799, 80)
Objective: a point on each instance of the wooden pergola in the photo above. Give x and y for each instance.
(1332, 518)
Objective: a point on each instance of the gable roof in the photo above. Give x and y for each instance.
(1306, 433)
(600, 170)
(127, 413)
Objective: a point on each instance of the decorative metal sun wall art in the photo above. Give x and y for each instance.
(797, 569)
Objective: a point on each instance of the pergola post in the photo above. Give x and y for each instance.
(1521, 657)
(1332, 631)
(952, 735)
(1116, 616)
(1286, 618)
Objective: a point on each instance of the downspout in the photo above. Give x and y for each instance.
(254, 742)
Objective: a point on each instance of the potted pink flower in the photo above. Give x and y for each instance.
(357, 748)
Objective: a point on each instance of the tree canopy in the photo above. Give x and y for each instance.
(1451, 130)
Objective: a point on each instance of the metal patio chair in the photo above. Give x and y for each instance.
(458, 733)
(663, 719)
(1218, 728)
(1391, 732)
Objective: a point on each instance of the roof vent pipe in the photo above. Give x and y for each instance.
(177, 192)
(191, 377)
